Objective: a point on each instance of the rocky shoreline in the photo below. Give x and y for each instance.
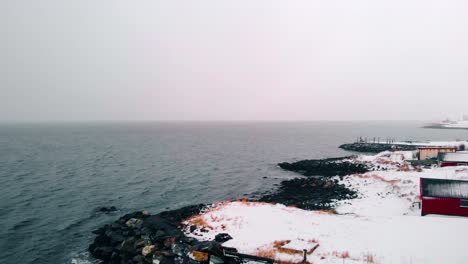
(325, 167)
(140, 238)
(314, 193)
(377, 147)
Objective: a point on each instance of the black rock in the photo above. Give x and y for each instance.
(103, 253)
(115, 257)
(166, 260)
(102, 239)
(222, 237)
(211, 247)
(118, 243)
(376, 147)
(116, 238)
(192, 228)
(138, 259)
(325, 167)
(314, 193)
(177, 216)
(157, 224)
(127, 248)
(106, 209)
(160, 234)
(99, 231)
(115, 226)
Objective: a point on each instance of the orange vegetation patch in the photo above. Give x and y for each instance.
(405, 167)
(280, 247)
(325, 212)
(200, 256)
(280, 243)
(198, 221)
(266, 253)
(369, 258)
(386, 161)
(378, 177)
(271, 254)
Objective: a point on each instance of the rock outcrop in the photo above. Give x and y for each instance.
(141, 238)
(314, 193)
(325, 167)
(376, 147)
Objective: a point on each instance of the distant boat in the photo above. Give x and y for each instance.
(451, 124)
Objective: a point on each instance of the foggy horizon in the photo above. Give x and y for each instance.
(174, 61)
(116, 121)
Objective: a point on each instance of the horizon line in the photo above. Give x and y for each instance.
(207, 121)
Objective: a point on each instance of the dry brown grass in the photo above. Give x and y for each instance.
(405, 167)
(370, 259)
(289, 251)
(326, 212)
(271, 254)
(384, 161)
(200, 256)
(266, 253)
(280, 243)
(198, 221)
(280, 247)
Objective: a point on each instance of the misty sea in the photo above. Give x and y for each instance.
(53, 176)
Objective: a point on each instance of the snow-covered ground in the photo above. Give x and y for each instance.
(383, 225)
(433, 143)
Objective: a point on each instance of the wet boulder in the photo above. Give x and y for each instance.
(161, 228)
(134, 223)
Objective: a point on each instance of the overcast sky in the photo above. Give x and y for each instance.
(233, 60)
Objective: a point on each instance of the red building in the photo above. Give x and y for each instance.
(445, 197)
(453, 159)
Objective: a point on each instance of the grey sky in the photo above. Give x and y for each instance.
(233, 60)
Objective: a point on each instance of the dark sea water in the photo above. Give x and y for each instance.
(54, 176)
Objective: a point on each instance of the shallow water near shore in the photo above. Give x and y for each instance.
(54, 176)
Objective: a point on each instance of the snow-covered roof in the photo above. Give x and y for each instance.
(444, 188)
(461, 156)
(437, 147)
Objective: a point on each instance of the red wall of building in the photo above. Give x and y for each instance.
(444, 206)
(448, 164)
(451, 164)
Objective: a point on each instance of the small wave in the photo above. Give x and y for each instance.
(82, 258)
(24, 224)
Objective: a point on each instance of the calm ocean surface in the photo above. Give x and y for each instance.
(53, 176)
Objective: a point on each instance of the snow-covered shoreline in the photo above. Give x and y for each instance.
(382, 225)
